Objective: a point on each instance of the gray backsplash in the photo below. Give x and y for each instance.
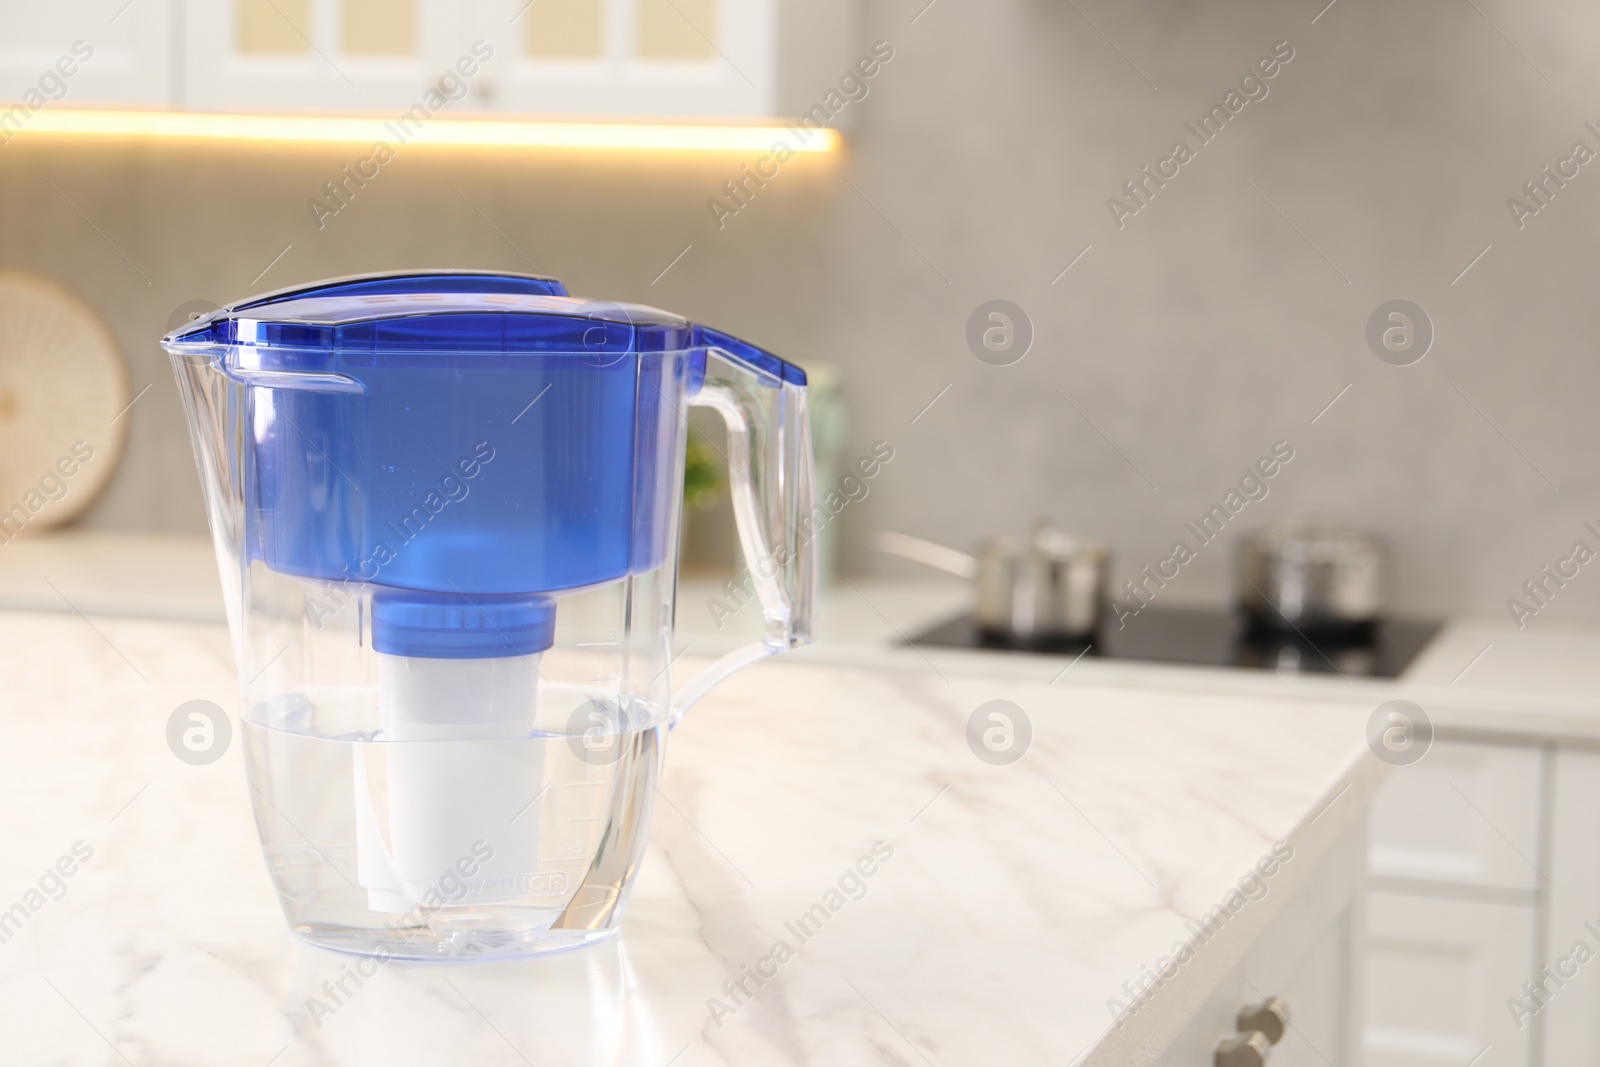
(1218, 320)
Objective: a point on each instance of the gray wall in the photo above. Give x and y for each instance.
(1192, 339)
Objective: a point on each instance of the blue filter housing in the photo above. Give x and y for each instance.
(467, 444)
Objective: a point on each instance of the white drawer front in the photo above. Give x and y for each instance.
(1438, 973)
(1572, 1017)
(1465, 814)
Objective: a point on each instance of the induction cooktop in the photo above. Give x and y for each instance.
(1219, 638)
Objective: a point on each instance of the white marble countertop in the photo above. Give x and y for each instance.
(1017, 901)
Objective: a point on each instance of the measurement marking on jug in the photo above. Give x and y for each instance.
(310, 843)
(596, 644)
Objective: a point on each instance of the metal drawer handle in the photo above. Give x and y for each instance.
(1246, 1050)
(1270, 1017)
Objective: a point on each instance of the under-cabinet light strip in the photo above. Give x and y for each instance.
(534, 133)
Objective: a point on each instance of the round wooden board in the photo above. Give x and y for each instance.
(63, 398)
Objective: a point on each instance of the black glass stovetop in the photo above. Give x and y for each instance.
(1217, 638)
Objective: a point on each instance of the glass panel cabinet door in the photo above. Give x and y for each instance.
(684, 30)
(648, 58)
(123, 54)
(563, 29)
(339, 55)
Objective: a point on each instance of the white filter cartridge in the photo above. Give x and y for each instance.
(434, 823)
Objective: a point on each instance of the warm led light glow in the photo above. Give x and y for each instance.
(534, 133)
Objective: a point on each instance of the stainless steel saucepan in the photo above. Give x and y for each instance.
(1047, 589)
(1295, 576)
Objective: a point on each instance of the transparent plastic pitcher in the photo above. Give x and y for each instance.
(445, 509)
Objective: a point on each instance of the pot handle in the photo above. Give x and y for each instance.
(928, 553)
(762, 401)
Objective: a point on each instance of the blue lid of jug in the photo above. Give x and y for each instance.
(370, 319)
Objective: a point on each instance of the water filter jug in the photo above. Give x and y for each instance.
(445, 510)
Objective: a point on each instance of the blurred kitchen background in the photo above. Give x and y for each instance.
(1176, 350)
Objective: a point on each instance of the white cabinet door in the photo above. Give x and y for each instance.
(339, 55)
(1318, 988)
(1438, 972)
(1465, 815)
(124, 52)
(1568, 1024)
(1307, 956)
(1319, 992)
(681, 58)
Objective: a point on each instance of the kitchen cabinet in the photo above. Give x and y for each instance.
(1437, 979)
(645, 58)
(1463, 906)
(1466, 815)
(1307, 957)
(1567, 1026)
(130, 51)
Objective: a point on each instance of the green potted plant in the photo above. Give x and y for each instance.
(702, 479)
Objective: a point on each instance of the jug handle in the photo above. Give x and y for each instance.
(762, 401)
